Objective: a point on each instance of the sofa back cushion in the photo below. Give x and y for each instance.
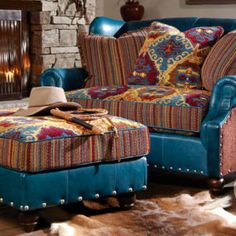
(171, 57)
(107, 59)
(220, 61)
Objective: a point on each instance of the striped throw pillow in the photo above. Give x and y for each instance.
(109, 60)
(221, 60)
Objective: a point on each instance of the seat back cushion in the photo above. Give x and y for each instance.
(171, 57)
(109, 60)
(220, 61)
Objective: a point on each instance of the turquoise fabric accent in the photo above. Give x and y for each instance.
(179, 153)
(73, 78)
(26, 189)
(105, 26)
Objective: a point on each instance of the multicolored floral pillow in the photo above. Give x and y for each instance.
(171, 57)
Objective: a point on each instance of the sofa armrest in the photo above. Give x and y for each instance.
(222, 101)
(67, 78)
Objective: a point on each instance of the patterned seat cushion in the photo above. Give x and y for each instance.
(155, 106)
(41, 143)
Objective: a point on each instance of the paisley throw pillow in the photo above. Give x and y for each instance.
(171, 57)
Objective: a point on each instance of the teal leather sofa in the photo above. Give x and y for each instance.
(193, 155)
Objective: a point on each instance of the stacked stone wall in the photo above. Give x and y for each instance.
(54, 33)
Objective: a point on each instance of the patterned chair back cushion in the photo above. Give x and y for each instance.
(171, 57)
(220, 61)
(109, 60)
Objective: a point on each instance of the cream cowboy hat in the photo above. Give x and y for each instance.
(43, 99)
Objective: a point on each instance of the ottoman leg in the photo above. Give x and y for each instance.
(126, 200)
(28, 220)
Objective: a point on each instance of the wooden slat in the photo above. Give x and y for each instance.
(26, 5)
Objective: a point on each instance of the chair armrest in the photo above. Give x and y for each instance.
(222, 101)
(105, 26)
(67, 78)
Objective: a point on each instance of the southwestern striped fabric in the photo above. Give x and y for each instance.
(155, 106)
(39, 143)
(220, 61)
(109, 60)
(228, 147)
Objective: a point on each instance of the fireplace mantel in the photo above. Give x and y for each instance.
(25, 5)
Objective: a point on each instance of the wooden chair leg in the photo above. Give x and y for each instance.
(28, 220)
(216, 185)
(126, 200)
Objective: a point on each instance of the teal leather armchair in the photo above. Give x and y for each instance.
(202, 154)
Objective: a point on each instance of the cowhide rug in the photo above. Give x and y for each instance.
(181, 215)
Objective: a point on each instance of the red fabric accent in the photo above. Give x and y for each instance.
(228, 142)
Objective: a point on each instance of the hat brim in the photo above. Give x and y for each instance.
(30, 111)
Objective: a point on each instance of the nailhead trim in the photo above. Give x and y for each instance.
(130, 190)
(144, 187)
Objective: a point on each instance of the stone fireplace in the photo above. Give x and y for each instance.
(53, 27)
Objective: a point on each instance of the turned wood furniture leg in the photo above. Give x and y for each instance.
(28, 220)
(216, 185)
(126, 200)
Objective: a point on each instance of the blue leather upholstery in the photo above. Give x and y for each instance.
(65, 78)
(27, 191)
(180, 23)
(178, 153)
(197, 154)
(227, 24)
(223, 99)
(105, 26)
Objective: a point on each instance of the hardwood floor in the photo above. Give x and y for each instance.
(9, 225)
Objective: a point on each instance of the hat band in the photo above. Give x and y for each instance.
(45, 105)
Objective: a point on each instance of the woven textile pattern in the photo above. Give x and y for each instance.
(41, 143)
(155, 106)
(170, 57)
(228, 147)
(109, 60)
(220, 61)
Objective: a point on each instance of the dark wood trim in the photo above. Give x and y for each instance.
(198, 2)
(28, 220)
(216, 185)
(25, 5)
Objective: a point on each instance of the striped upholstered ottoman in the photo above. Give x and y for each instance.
(46, 161)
